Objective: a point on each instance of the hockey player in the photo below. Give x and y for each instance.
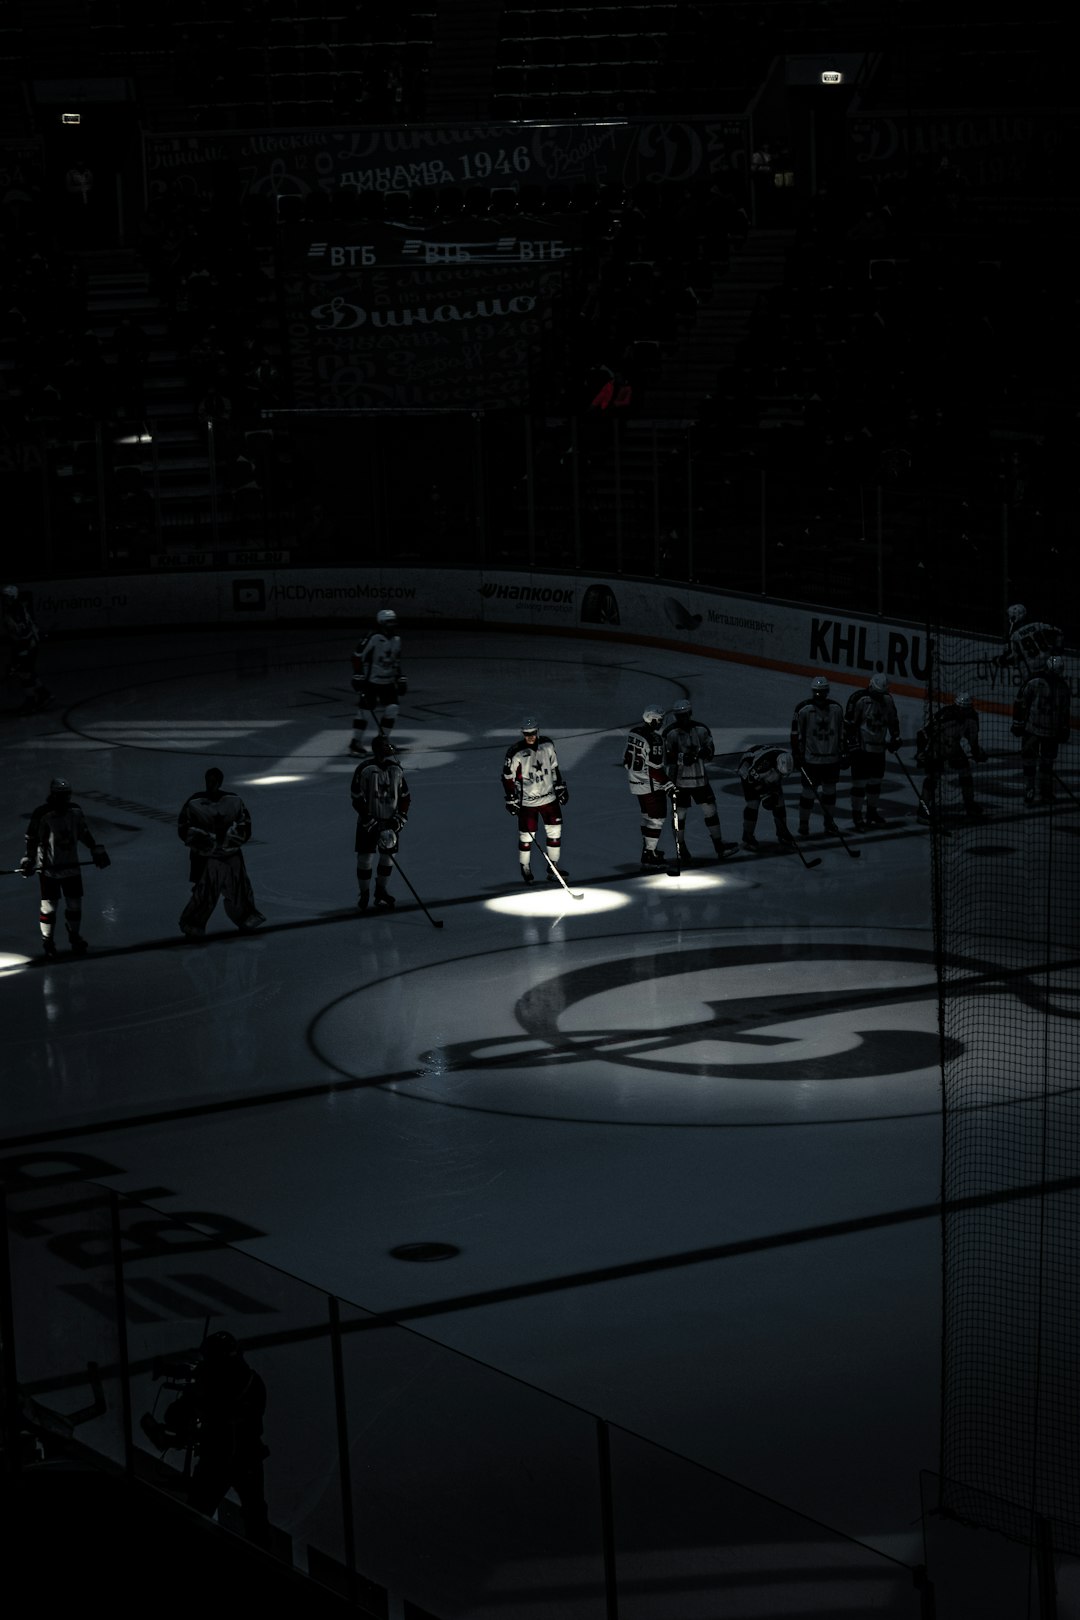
(818, 750)
(56, 830)
(688, 748)
(951, 739)
(762, 772)
(1028, 641)
(377, 679)
(23, 637)
(643, 761)
(215, 825)
(1041, 715)
(380, 797)
(872, 726)
(535, 791)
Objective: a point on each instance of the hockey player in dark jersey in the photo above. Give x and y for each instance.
(648, 780)
(1041, 719)
(377, 679)
(215, 825)
(762, 770)
(688, 748)
(818, 747)
(380, 797)
(56, 830)
(534, 791)
(872, 726)
(23, 638)
(1028, 642)
(951, 740)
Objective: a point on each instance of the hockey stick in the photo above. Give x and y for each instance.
(832, 829)
(795, 845)
(436, 922)
(923, 806)
(16, 871)
(574, 894)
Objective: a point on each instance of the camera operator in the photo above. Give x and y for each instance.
(220, 1415)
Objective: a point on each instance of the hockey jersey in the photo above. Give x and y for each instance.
(531, 775)
(214, 825)
(1043, 706)
(817, 732)
(871, 722)
(1030, 643)
(758, 768)
(644, 760)
(380, 792)
(377, 659)
(687, 751)
(18, 625)
(951, 730)
(53, 838)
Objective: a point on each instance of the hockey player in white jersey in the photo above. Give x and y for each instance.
(818, 749)
(1041, 719)
(1028, 642)
(763, 770)
(377, 679)
(380, 797)
(648, 780)
(534, 791)
(688, 748)
(872, 726)
(19, 630)
(56, 830)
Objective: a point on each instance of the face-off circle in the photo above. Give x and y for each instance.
(699, 1028)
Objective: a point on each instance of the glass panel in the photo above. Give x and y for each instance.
(67, 1345)
(471, 1492)
(691, 1543)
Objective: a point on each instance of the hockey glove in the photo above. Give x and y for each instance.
(359, 686)
(372, 824)
(401, 686)
(1017, 729)
(562, 793)
(100, 857)
(893, 745)
(512, 806)
(25, 867)
(690, 757)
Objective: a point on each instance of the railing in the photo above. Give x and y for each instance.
(398, 1466)
(596, 493)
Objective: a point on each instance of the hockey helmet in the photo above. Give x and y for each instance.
(220, 1346)
(381, 746)
(652, 714)
(58, 787)
(819, 686)
(683, 709)
(388, 841)
(214, 778)
(784, 762)
(12, 592)
(529, 727)
(387, 619)
(1017, 612)
(962, 700)
(878, 683)
(1055, 664)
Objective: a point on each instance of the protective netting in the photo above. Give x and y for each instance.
(1005, 814)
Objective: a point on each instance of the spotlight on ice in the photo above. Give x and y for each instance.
(689, 881)
(553, 901)
(10, 963)
(271, 781)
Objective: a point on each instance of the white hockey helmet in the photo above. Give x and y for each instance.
(819, 686)
(1055, 664)
(878, 683)
(962, 700)
(388, 841)
(1017, 612)
(387, 619)
(12, 592)
(652, 714)
(683, 709)
(784, 762)
(529, 727)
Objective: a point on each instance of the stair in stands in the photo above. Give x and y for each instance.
(461, 66)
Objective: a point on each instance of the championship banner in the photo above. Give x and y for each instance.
(238, 164)
(397, 316)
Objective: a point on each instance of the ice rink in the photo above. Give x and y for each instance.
(679, 1138)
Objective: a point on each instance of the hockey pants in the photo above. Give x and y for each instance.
(224, 877)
